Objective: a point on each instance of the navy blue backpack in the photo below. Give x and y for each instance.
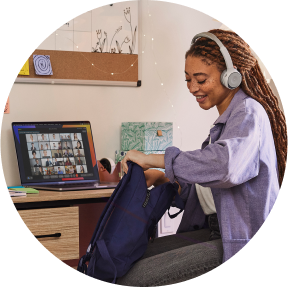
(126, 225)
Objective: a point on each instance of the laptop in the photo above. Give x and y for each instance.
(57, 156)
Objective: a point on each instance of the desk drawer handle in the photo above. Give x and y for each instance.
(48, 235)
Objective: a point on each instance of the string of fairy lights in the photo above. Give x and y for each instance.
(158, 73)
(144, 41)
(76, 47)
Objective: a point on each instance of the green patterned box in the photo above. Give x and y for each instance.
(143, 136)
(120, 154)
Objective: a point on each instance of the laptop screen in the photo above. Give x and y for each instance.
(52, 152)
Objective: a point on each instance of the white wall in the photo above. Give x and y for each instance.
(172, 28)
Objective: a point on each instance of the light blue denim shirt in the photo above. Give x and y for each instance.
(239, 165)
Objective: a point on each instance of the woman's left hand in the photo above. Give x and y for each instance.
(137, 157)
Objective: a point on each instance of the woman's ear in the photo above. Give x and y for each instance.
(102, 168)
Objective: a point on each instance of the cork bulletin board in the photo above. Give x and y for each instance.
(77, 66)
(99, 47)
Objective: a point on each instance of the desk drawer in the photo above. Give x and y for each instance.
(53, 222)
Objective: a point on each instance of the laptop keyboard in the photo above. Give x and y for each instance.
(71, 185)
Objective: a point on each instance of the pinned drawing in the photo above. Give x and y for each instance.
(25, 69)
(42, 65)
(101, 30)
(115, 43)
(127, 15)
(99, 44)
(126, 40)
(117, 31)
(7, 107)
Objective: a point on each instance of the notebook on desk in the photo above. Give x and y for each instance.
(57, 156)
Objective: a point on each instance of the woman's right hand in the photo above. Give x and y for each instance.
(136, 156)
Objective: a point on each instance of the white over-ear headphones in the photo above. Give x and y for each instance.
(230, 78)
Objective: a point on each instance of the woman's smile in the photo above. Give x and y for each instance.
(201, 99)
(203, 82)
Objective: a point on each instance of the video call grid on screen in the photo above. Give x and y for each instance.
(56, 155)
(50, 153)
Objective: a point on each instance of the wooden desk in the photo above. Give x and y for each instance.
(73, 214)
(47, 198)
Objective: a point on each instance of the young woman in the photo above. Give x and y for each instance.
(78, 145)
(236, 174)
(34, 153)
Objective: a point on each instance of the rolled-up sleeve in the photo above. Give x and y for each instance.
(229, 161)
(170, 154)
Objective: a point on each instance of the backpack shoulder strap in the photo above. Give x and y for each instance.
(106, 256)
(179, 202)
(108, 207)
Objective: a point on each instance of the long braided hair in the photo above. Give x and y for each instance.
(253, 82)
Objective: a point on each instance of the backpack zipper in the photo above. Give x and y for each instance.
(147, 198)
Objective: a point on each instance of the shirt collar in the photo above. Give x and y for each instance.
(237, 99)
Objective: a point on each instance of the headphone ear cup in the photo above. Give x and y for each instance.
(234, 79)
(231, 79)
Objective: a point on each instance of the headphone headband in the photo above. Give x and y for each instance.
(223, 49)
(230, 78)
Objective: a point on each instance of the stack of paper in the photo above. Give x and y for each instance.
(21, 191)
(16, 193)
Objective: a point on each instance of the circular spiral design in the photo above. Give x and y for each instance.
(42, 65)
